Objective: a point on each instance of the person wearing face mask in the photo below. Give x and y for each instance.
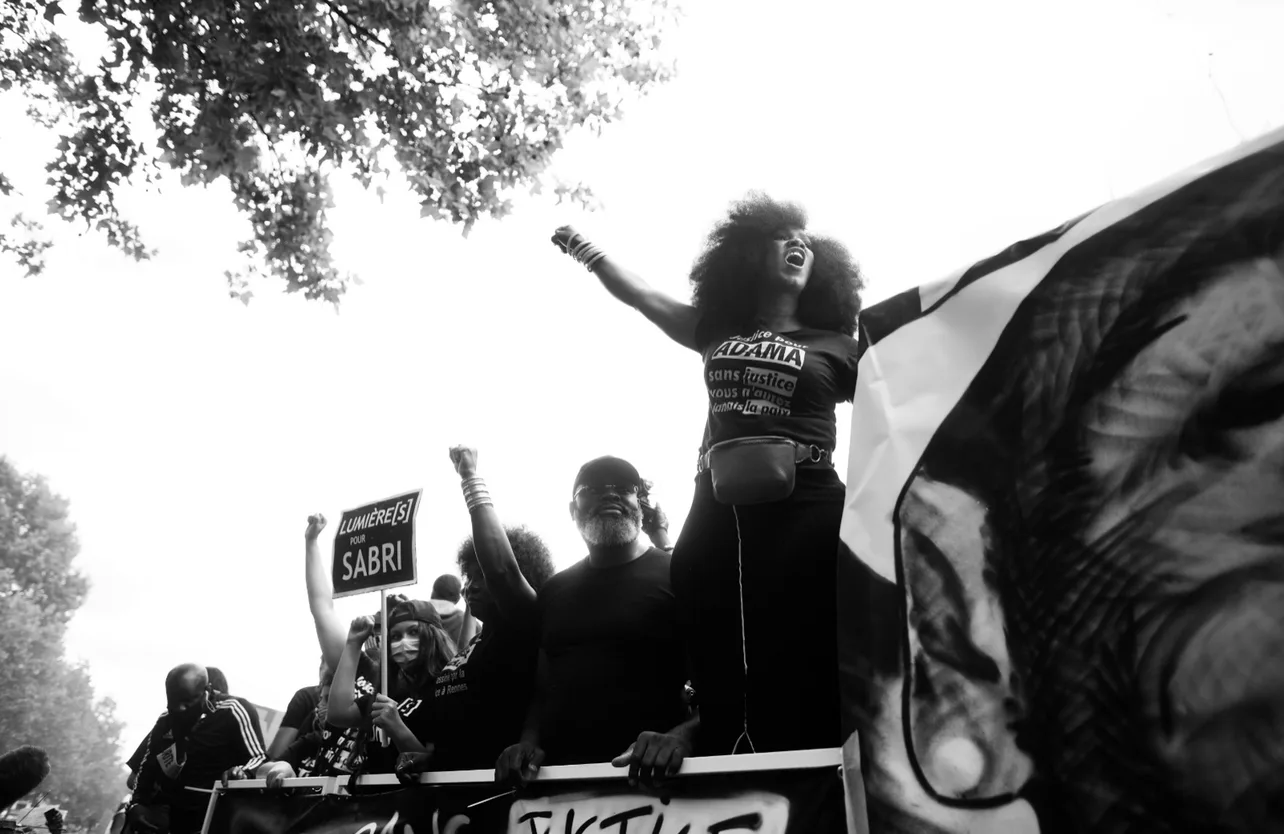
(610, 667)
(418, 650)
(772, 315)
(201, 736)
(337, 751)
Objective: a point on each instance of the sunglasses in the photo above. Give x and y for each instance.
(605, 489)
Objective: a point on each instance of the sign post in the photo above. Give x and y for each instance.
(374, 550)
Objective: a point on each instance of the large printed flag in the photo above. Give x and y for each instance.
(1062, 569)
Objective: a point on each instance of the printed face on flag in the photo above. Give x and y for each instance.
(1061, 560)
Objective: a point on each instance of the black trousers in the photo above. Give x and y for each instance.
(782, 559)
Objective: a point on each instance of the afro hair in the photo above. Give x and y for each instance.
(725, 275)
(533, 558)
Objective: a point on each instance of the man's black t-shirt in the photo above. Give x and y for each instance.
(615, 661)
(301, 713)
(783, 384)
(227, 736)
(482, 695)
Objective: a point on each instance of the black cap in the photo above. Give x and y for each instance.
(607, 470)
(414, 609)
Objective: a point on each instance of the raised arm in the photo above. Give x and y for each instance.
(509, 590)
(342, 709)
(676, 319)
(469, 629)
(330, 630)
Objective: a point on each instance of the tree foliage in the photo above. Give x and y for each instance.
(47, 701)
(467, 98)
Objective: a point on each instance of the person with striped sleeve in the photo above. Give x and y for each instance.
(202, 735)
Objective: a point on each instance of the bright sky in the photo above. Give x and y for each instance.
(194, 435)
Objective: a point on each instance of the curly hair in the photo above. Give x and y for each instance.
(533, 558)
(725, 276)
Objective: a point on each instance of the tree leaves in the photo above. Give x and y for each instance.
(47, 701)
(470, 100)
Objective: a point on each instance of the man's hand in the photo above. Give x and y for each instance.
(384, 715)
(653, 757)
(653, 518)
(316, 523)
(275, 772)
(234, 774)
(410, 765)
(465, 460)
(519, 763)
(360, 630)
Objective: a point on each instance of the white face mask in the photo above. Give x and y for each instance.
(403, 649)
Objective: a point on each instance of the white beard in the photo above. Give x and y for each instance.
(610, 532)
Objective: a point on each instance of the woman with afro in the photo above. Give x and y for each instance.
(772, 315)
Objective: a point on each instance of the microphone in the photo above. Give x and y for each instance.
(21, 772)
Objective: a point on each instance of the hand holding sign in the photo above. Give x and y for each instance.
(384, 715)
(653, 757)
(465, 460)
(316, 523)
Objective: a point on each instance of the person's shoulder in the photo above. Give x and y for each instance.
(222, 700)
(307, 693)
(658, 554)
(814, 336)
(565, 575)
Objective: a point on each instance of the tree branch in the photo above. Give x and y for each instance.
(352, 24)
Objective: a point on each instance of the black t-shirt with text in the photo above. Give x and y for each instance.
(784, 384)
(336, 753)
(482, 696)
(615, 659)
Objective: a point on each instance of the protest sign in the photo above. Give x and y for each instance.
(374, 546)
(1061, 586)
(767, 794)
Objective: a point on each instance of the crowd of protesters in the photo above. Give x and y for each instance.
(640, 654)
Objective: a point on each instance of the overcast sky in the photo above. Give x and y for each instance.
(194, 435)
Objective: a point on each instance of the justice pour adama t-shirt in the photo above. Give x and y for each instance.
(785, 384)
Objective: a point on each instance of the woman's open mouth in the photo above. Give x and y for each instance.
(796, 258)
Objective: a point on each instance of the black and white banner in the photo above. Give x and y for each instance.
(1062, 570)
(801, 794)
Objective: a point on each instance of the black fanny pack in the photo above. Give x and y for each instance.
(757, 470)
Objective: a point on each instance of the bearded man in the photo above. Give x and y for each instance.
(611, 667)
